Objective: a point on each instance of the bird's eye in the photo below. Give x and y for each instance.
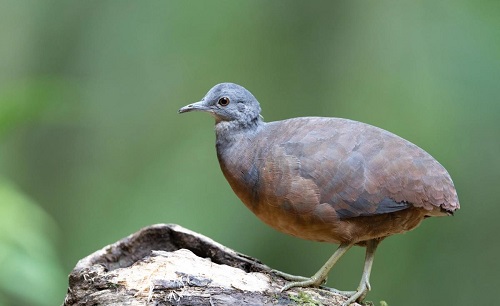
(224, 101)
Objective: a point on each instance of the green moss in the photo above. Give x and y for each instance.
(303, 298)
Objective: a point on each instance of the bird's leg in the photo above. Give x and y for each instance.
(364, 284)
(317, 279)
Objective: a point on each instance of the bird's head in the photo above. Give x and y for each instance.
(228, 102)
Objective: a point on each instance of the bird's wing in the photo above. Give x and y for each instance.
(361, 170)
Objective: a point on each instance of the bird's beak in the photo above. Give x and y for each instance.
(198, 106)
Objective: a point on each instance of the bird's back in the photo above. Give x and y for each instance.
(313, 177)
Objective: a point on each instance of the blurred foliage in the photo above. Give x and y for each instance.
(89, 92)
(29, 264)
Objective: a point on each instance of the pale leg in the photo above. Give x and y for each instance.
(364, 284)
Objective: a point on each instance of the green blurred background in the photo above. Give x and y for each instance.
(92, 147)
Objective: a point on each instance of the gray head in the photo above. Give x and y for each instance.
(228, 102)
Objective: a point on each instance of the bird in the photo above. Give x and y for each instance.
(325, 179)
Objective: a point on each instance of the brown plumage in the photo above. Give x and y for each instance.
(325, 179)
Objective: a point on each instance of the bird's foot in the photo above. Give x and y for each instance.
(299, 281)
(358, 295)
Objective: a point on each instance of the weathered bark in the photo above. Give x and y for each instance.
(166, 264)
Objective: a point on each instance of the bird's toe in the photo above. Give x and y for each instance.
(289, 277)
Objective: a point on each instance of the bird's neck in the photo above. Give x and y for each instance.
(230, 132)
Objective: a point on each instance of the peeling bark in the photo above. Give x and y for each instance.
(166, 264)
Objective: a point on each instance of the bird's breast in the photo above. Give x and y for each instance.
(269, 183)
